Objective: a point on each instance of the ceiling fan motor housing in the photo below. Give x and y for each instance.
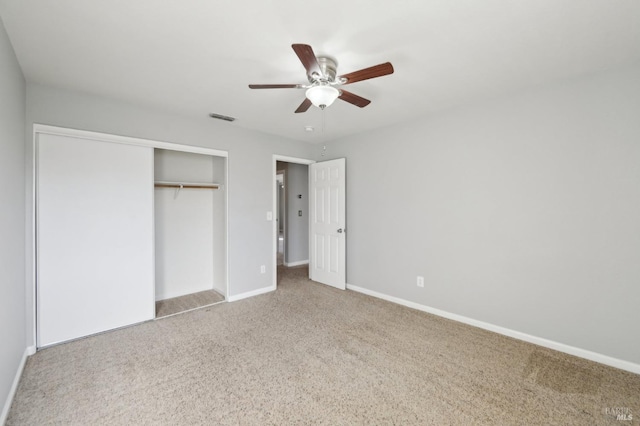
(328, 66)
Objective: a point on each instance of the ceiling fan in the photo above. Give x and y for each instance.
(321, 73)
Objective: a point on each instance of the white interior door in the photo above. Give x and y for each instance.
(95, 259)
(328, 239)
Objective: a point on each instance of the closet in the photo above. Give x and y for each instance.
(190, 243)
(123, 225)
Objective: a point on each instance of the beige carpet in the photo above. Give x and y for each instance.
(310, 354)
(186, 303)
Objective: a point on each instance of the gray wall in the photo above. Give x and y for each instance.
(297, 234)
(12, 216)
(250, 162)
(523, 212)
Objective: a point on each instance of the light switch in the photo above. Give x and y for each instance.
(299, 212)
(269, 216)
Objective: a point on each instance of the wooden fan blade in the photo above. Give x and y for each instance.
(304, 106)
(308, 58)
(275, 86)
(367, 73)
(354, 99)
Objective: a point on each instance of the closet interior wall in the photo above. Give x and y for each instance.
(190, 230)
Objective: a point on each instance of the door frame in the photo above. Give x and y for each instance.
(274, 224)
(103, 137)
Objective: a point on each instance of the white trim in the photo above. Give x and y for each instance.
(561, 347)
(251, 293)
(30, 350)
(105, 137)
(153, 233)
(274, 201)
(295, 160)
(298, 263)
(226, 227)
(32, 262)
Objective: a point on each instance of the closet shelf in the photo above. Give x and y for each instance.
(182, 185)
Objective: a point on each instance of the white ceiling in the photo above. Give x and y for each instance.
(198, 56)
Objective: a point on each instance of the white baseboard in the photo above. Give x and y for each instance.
(14, 386)
(252, 293)
(298, 263)
(561, 347)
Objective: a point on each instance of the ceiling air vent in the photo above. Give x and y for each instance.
(221, 117)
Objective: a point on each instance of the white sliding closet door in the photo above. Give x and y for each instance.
(95, 260)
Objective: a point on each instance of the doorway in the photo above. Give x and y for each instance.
(291, 214)
(280, 219)
(323, 213)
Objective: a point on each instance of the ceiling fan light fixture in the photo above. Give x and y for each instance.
(322, 76)
(322, 96)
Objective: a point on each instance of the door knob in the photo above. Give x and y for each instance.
(340, 231)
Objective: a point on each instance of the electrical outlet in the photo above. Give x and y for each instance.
(420, 281)
(263, 269)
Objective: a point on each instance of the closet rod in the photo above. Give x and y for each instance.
(186, 185)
